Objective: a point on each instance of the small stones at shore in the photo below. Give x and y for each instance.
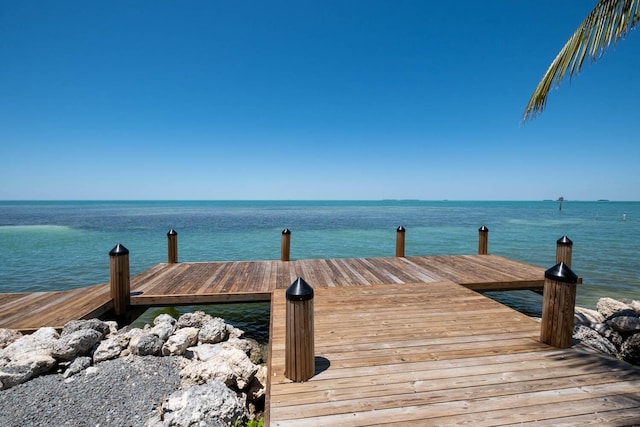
(211, 353)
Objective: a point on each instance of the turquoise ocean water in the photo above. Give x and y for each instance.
(65, 244)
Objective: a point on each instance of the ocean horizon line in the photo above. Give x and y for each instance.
(323, 200)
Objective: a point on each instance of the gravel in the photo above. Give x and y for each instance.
(119, 392)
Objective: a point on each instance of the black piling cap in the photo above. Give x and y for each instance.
(561, 273)
(400, 229)
(286, 231)
(299, 291)
(564, 240)
(483, 228)
(172, 232)
(119, 250)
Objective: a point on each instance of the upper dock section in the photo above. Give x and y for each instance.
(241, 281)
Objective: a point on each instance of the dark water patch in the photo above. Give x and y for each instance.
(526, 302)
(253, 318)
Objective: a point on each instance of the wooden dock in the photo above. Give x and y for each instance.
(242, 281)
(439, 354)
(398, 341)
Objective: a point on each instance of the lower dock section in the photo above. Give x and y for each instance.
(440, 354)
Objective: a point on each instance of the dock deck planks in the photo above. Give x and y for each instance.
(30, 311)
(440, 354)
(243, 281)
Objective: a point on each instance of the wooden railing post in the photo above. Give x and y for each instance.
(558, 306)
(400, 241)
(172, 246)
(119, 279)
(285, 247)
(299, 343)
(483, 240)
(564, 250)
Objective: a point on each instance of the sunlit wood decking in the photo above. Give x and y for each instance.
(439, 354)
(236, 281)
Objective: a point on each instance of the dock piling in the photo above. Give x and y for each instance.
(400, 232)
(483, 240)
(285, 247)
(172, 246)
(564, 250)
(299, 342)
(558, 306)
(119, 279)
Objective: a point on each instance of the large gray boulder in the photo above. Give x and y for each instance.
(610, 308)
(75, 344)
(40, 341)
(229, 365)
(163, 326)
(8, 336)
(162, 330)
(635, 304)
(193, 320)
(253, 349)
(21, 370)
(630, 351)
(146, 345)
(177, 344)
(213, 331)
(594, 340)
(625, 324)
(206, 405)
(585, 316)
(77, 325)
(111, 347)
(164, 318)
(609, 333)
(27, 357)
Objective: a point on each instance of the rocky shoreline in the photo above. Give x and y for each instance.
(613, 328)
(210, 373)
(93, 373)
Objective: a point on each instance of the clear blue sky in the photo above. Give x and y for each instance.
(309, 100)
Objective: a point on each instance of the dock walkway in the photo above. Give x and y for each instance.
(436, 355)
(398, 341)
(241, 281)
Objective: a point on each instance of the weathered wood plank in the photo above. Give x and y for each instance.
(404, 365)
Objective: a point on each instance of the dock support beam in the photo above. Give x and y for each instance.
(172, 246)
(558, 306)
(483, 240)
(119, 279)
(299, 343)
(285, 247)
(564, 250)
(400, 232)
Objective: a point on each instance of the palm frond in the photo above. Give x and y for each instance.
(607, 23)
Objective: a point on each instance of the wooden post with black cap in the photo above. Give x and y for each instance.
(564, 250)
(400, 232)
(119, 279)
(558, 306)
(299, 343)
(172, 246)
(483, 240)
(285, 246)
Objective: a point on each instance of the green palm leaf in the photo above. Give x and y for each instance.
(607, 23)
